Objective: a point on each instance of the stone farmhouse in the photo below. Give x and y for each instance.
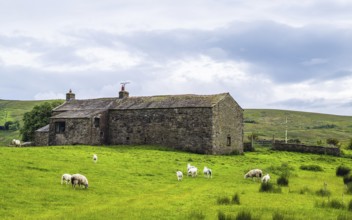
(206, 124)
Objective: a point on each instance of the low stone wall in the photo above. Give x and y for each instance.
(307, 149)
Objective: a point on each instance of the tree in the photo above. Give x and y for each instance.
(13, 126)
(332, 141)
(38, 117)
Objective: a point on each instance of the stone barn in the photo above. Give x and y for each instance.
(207, 124)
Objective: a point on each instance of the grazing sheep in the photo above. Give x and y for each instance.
(207, 172)
(192, 171)
(189, 166)
(179, 175)
(17, 143)
(257, 173)
(65, 178)
(266, 178)
(95, 158)
(80, 180)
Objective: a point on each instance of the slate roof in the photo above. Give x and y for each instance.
(143, 102)
(78, 113)
(44, 129)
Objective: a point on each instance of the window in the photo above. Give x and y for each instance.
(96, 122)
(60, 127)
(228, 140)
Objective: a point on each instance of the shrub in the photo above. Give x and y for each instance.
(278, 216)
(323, 192)
(222, 216)
(223, 201)
(282, 181)
(266, 187)
(336, 204)
(349, 188)
(350, 206)
(315, 168)
(196, 214)
(347, 179)
(236, 199)
(332, 141)
(342, 170)
(269, 187)
(243, 215)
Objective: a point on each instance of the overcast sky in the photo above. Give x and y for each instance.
(293, 55)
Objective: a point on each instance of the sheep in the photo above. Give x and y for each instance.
(179, 175)
(254, 173)
(95, 158)
(80, 180)
(17, 143)
(192, 171)
(65, 178)
(266, 178)
(189, 166)
(207, 172)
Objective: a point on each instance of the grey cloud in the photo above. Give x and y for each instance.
(280, 51)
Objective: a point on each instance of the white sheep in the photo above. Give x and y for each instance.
(95, 158)
(17, 143)
(189, 166)
(255, 173)
(193, 171)
(80, 180)
(179, 175)
(207, 172)
(66, 178)
(266, 178)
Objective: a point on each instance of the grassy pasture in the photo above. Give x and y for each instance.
(130, 182)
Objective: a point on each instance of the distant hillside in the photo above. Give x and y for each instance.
(307, 127)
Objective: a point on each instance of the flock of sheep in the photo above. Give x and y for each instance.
(257, 173)
(82, 181)
(77, 179)
(193, 171)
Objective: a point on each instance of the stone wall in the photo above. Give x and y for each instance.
(77, 131)
(41, 138)
(99, 133)
(188, 129)
(307, 149)
(227, 127)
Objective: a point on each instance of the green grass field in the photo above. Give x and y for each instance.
(130, 182)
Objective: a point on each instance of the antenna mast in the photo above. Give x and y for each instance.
(286, 132)
(123, 84)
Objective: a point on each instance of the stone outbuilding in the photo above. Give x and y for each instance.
(207, 124)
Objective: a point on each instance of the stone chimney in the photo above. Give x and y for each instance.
(123, 93)
(70, 96)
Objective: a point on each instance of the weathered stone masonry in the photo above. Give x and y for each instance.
(210, 124)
